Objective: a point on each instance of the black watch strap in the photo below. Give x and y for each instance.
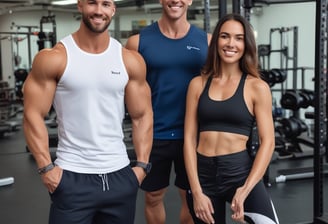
(47, 168)
(146, 166)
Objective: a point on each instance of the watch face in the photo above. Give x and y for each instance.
(145, 166)
(148, 168)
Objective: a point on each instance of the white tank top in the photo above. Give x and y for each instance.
(89, 103)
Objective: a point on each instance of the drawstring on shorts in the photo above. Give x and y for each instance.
(104, 179)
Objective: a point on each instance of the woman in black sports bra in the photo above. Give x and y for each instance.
(222, 105)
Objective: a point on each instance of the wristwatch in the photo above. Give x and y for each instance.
(46, 169)
(145, 166)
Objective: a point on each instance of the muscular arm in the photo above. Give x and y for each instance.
(138, 102)
(39, 89)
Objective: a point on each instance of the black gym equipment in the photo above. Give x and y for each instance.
(292, 139)
(47, 37)
(288, 144)
(292, 127)
(7, 125)
(20, 77)
(27, 35)
(320, 151)
(292, 133)
(274, 76)
(43, 38)
(266, 50)
(1, 38)
(320, 112)
(297, 99)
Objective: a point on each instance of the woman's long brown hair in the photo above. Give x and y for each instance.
(249, 61)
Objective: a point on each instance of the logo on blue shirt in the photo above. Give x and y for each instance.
(192, 48)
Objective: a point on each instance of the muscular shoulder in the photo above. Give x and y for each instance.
(134, 63)
(50, 62)
(133, 42)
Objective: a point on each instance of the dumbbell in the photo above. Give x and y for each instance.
(292, 127)
(291, 100)
(296, 99)
(279, 75)
(308, 96)
(273, 76)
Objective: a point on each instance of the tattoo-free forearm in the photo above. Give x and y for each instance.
(142, 136)
(36, 135)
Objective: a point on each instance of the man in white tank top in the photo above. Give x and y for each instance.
(89, 78)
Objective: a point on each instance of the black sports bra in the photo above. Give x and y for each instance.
(230, 115)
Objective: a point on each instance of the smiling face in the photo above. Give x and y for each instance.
(96, 14)
(231, 42)
(175, 9)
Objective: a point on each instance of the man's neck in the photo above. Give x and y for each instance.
(174, 29)
(91, 42)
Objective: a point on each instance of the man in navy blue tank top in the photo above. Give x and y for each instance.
(174, 51)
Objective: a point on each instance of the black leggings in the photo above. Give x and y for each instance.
(220, 176)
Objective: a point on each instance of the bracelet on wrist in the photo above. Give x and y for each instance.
(46, 169)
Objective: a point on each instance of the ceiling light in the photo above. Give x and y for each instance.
(64, 2)
(70, 2)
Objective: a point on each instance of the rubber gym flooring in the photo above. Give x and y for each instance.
(26, 200)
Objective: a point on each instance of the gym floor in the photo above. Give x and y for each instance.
(26, 201)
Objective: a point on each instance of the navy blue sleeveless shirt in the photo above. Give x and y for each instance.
(171, 64)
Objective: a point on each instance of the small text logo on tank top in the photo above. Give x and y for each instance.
(192, 48)
(115, 73)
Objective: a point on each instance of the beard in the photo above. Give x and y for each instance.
(95, 29)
